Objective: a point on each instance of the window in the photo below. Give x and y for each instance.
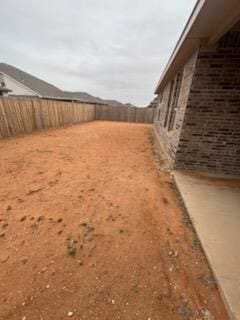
(158, 106)
(172, 102)
(174, 106)
(160, 97)
(157, 113)
(169, 103)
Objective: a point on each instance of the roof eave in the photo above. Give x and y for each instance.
(207, 23)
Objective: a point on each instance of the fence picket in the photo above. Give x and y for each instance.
(23, 115)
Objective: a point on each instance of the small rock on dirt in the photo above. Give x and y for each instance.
(207, 315)
(70, 314)
(23, 218)
(24, 259)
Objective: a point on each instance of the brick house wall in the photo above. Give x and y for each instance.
(210, 135)
(170, 139)
(206, 131)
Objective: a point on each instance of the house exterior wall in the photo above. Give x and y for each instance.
(206, 131)
(210, 136)
(170, 138)
(17, 88)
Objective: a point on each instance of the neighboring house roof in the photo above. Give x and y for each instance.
(209, 20)
(130, 105)
(114, 103)
(153, 103)
(47, 90)
(83, 96)
(41, 87)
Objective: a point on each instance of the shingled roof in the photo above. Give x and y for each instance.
(41, 87)
(83, 96)
(47, 90)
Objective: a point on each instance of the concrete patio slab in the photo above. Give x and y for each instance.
(213, 205)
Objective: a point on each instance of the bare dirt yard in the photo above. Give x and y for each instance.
(92, 228)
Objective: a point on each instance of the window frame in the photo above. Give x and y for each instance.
(174, 107)
(169, 104)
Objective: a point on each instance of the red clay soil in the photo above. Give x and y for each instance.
(90, 228)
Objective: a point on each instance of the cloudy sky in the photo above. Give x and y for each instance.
(114, 49)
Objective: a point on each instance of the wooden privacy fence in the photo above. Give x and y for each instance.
(23, 115)
(19, 115)
(127, 114)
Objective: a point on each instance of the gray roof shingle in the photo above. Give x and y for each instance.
(45, 89)
(41, 87)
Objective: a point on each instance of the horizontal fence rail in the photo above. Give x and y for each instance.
(24, 115)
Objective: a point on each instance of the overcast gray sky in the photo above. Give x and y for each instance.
(114, 49)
